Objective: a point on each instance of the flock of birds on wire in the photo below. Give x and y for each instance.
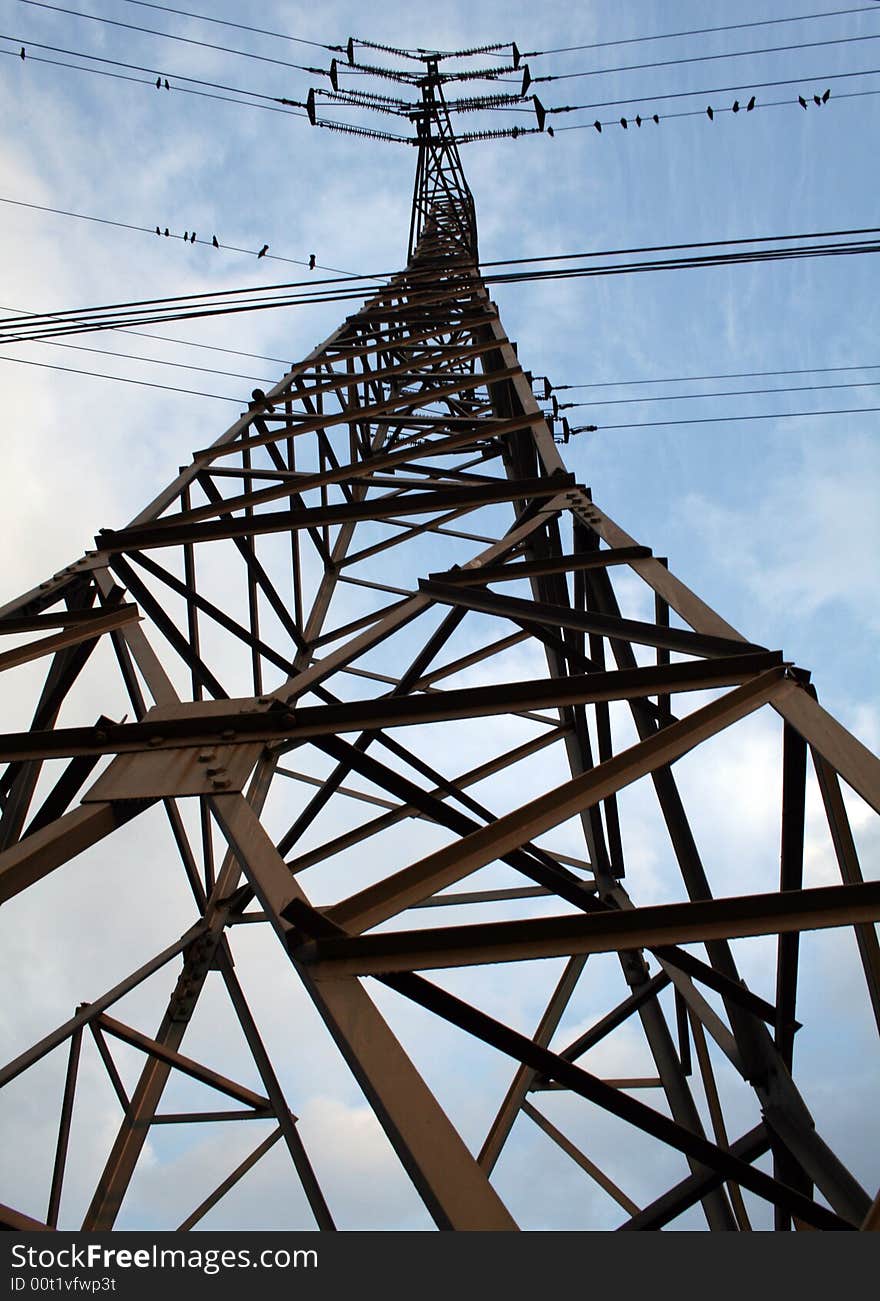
(388, 103)
(189, 237)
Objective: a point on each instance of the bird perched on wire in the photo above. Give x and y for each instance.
(624, 124)
(263, 251)
(750, 105)
(735, 106)
(158, 231)
(214, 241)
(598, 125)
(826, 96)
(638, 120)
(192, 238)
(802, 101)
(710, 114)
(311, 261)
(158, 83)
(167, 87)
(185, 236)
(167, 232)
(21, 53)
(657, 119)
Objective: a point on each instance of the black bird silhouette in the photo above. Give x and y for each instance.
(598, 125)
(311, 261)
(709, 113)
(263, 251)
(167, 87)
(638, 120)
(192, 238)
(214, 242)
(259, 399)
(826, 96)
(657, 119)
(624, 123)
(166, 230)
(158, 83)
(185, 236)
(802, 101)
(158, 231)
(21, 54)
(551, 132)
(750, 105)
(817, 100)
(735, 108)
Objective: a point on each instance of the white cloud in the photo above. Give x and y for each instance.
(807, 544)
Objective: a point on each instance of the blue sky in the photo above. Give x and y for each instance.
(774, 523)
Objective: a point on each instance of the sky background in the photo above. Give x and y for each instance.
(773, 522)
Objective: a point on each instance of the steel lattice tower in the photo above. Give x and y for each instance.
(413, 424)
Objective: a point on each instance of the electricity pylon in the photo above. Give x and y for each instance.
(358, 532)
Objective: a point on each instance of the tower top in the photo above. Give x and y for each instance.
(441, 194)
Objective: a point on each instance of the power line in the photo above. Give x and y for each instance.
(717, 90)
(142, 81)
(126, 225)
(157, 361)
(723, 420)
(168, 36)
(676, 264)
(223, 22)
(196, 306)
(137, 67)
(676, 248)
(709, 58)
(693, 379)
(182, 343)
(223, 302)
(215, 297)
(207, 347)
(119, 379)
(695, 31)
(651, 424)
(201, 297)
(699, 112)
(729, 393)
(92, 320)
(276, 104)
(291, 112)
